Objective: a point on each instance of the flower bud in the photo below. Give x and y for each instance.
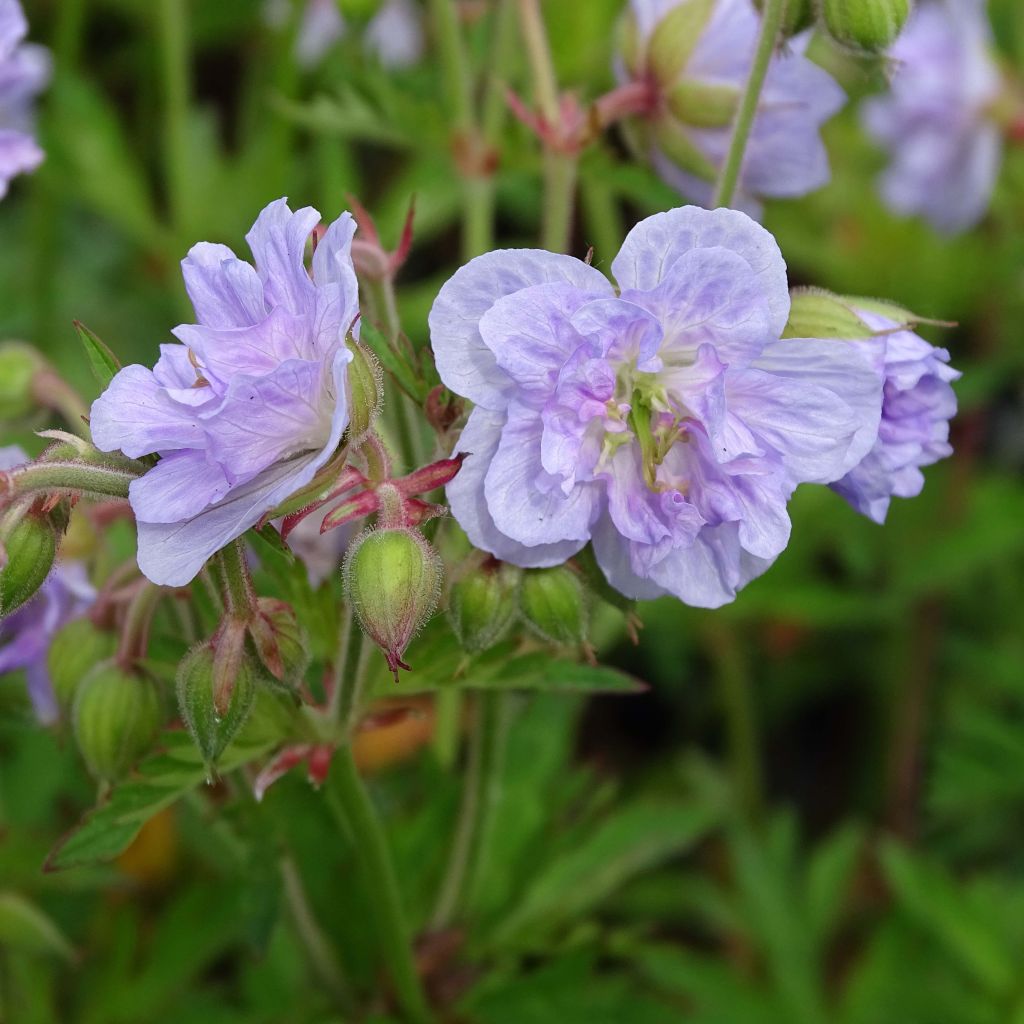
(18, 365)
(281, 643)
(366, 391)
(482, 604)
(674, 38)
(392, 578)
(553, 603)
(76, 648)
(272, 719)
(815, 313)
(799, 15)
(116, 717)
(27, 556)
(211, 730)
(867, 25)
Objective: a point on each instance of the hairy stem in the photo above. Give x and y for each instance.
(138, 619)
(352, 807)
(106, 481)
(240, 598)
(771, 23)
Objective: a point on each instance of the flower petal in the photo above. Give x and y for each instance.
(278, 242)
(655, 244)
(225, 291)
(136, 415)
(466, 365)
(465, 494)
(180, 485)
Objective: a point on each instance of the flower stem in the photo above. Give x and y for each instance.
(481, 789)
(104, 481)
(559, 167)
(458, 81)
(351, 805)
(321, 956)
(240, 597)
(732, 675)
(771, 23)
(173, 31)
(138, 618)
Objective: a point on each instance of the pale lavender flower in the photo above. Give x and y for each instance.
(785, 156)
(321, 27)
(251, 405)
(25, 636)
(935, 122)
(667, 423)
(917, 405)
(320, 553)
(24, 72)
(395, 34)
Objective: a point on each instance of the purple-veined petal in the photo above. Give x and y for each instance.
(657, 243)
(465, 363)
(136, 415)
(531, 335)
(709, 296)
(180, 485)
(226, 292)
(278, 243)
(525, 502)
(468, 503)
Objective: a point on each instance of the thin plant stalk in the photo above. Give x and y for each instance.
(172, 18)
(353, 809)
(728, 178)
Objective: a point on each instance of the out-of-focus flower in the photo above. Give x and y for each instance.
(321, 553)
(917, 405)
(25, 636)
(697, 56)
(394, 35)
(935, 122)
(668, 423)
(253, 403)
(24, 72)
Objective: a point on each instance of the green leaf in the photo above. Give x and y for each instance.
(829, 874)
(932, 897)
(393, 363)
(107, 831)
(24, 927)
(637, 837)
(103, 363)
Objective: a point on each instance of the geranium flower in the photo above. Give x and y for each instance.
(917, 405)
(24, 72)
(251, 405)
(25, 636)
(935, 122)
(667, 423)
(698, 70)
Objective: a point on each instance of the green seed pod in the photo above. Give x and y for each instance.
(281, 643)
(212, 731)
(30, 548)
(868, 26)
(392, 578)
(18, 365)
(76, 648)
(814, 313)
(799, 15)
(482, 604)
(116, 718)
(365, 390)
(554, 605)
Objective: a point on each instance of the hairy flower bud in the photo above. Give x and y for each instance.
(392, 578)
(27, 553)
(116, 717)
(366, 391)
(18, 365)
(211, 730)
(281, 643)
(482, 604)
(76, 648)
(868, 25)
(554, 605)
(799, 14)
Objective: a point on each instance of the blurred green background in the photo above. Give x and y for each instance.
(816, 812)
